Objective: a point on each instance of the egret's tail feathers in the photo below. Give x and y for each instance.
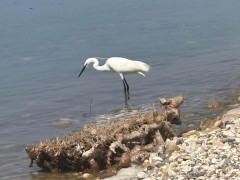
(141, 73)
(143, 66)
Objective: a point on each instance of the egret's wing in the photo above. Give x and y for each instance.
(123, 65)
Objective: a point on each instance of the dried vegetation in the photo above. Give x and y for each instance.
(115, 145)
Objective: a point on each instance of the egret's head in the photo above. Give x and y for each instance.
(87, 62)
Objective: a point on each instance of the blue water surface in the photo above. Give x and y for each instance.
(191, 46)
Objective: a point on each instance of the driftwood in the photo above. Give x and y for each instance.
(97, 147)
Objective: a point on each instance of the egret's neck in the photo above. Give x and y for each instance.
(97, 67)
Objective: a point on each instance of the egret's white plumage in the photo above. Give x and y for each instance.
(120, 65)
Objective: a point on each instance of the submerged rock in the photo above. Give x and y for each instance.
(238, 99)
(206, 123)
(213, 105)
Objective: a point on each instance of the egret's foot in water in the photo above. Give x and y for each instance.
(126, 102)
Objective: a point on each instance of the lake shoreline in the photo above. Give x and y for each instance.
(210, 153)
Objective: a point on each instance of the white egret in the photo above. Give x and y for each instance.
(120, 65)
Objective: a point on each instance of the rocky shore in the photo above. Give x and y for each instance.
(213, 153)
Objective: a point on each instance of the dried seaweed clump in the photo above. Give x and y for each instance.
(97, 147)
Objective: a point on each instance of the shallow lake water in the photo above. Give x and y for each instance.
(191, 46)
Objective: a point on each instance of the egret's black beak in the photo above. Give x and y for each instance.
(82, 70)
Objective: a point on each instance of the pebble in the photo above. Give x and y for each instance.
(86, 175)
(157, 158)
(180, 141)
(133, 178)
(174, 155)
(141, 175)
(213, 160)
(238, 99)
(217, 123)
(190, 133)
(150, 167)
(228, 134)
(171, 148)
(217, 143)
(213, 105)
(185, 157)
(207, 154)
(63, 121)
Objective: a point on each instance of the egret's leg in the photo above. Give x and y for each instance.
(125, 89)
(125, 93)
(128, 94)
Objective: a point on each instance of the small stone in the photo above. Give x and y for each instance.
(145, 164)
(225, 147)
(199, 173)
(180, 141)
(64, 121)
(235, 158)
(238, 99)
(164, 168)
(235, 111)
(182, 177)
(228, 134)
(211, 173)
(228, 140)
(159, 178)
(173, 165)
(156, 169)
(228, 126)
(190, 133)
(180, 160)
(158, 164)
(224, 156)
(198, 145)
(171, 147)
(141, 175)
(171, 173)
(199, 141)
(237, 140)
(217, 143)
(186, 169)
(218, 123)
(133, 178)
(148, 178)
(149, 168)
(213, 161)
(213, 105)
(185, 157)
(86, 175)
(174, 155)
(225, 162)
(157, 158)
(191, 163)
(164, 175)
(206, 123)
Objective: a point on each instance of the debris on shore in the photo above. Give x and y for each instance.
(115, 145)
